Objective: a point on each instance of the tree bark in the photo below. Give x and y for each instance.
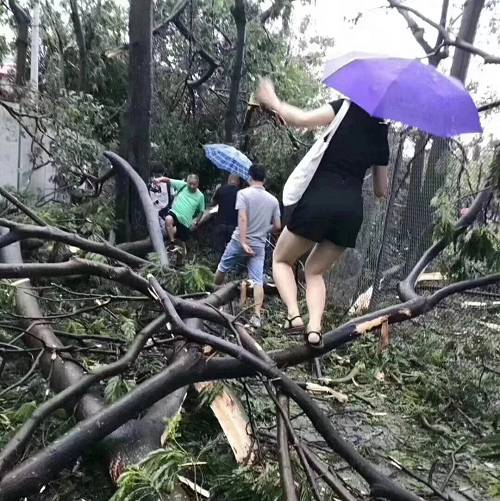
(239, 15)
(135, 141)
(22, 19)
(467, 33)
(82, 46)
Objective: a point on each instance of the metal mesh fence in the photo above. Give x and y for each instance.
(395, 232)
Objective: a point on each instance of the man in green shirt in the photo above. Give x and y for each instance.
(187, 209)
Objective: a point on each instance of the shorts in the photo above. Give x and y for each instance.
(234, 256)
(183, 232)
(330, 209)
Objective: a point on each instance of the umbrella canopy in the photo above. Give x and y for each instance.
(404, 90)
(228, 158)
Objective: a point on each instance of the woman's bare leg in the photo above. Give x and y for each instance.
(320, 260)
(289, 248)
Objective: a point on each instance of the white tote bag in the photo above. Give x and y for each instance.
(301, 176)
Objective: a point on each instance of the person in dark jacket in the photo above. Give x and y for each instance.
(227, 215)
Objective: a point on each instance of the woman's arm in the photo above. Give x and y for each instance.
(380, 181)
(267, 97)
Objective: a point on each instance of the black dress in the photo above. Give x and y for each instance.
(331, 208)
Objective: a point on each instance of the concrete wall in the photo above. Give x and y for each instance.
(16, 159)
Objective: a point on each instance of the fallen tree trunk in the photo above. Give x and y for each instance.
(33, 473)
(64, 371)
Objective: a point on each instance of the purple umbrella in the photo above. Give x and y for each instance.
(404, 90)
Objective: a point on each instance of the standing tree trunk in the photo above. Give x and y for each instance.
(135, 137)
(82, 47)
(467, 33)
(22, 24)
(420, 195)
(238, 11)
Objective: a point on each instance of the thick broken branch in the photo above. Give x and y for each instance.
(24, 231)
(150, 211)
(30, 475)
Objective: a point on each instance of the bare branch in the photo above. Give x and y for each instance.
(447, 39)
(285, 465)
(178, 9)
(407, 286)
(442, 22)
(18, 117)
(489, 106)
(32, 369)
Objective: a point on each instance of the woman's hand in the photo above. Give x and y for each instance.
(266, 95)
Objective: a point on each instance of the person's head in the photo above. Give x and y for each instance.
(257, 173)
(233, 179)
(193, 181)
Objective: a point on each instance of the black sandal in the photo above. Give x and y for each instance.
(317, 345)
(293, 330)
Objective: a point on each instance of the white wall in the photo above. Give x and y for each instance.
(16, 160)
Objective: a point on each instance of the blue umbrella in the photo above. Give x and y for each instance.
(404, 90)
(228, 158)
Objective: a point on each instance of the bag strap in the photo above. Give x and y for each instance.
(171, 197)
(324, 139)
(330, 131)
(337, 119)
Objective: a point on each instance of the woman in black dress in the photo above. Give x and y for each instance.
(327, 218)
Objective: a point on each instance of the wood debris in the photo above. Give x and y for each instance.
(234, 422)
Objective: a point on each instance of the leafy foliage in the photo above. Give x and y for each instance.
(250, 484)
(477, 251)
(91, 218)
(192, 278)
(154, 478)
(117, 388)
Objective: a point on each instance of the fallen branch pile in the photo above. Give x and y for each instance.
(131, 427)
